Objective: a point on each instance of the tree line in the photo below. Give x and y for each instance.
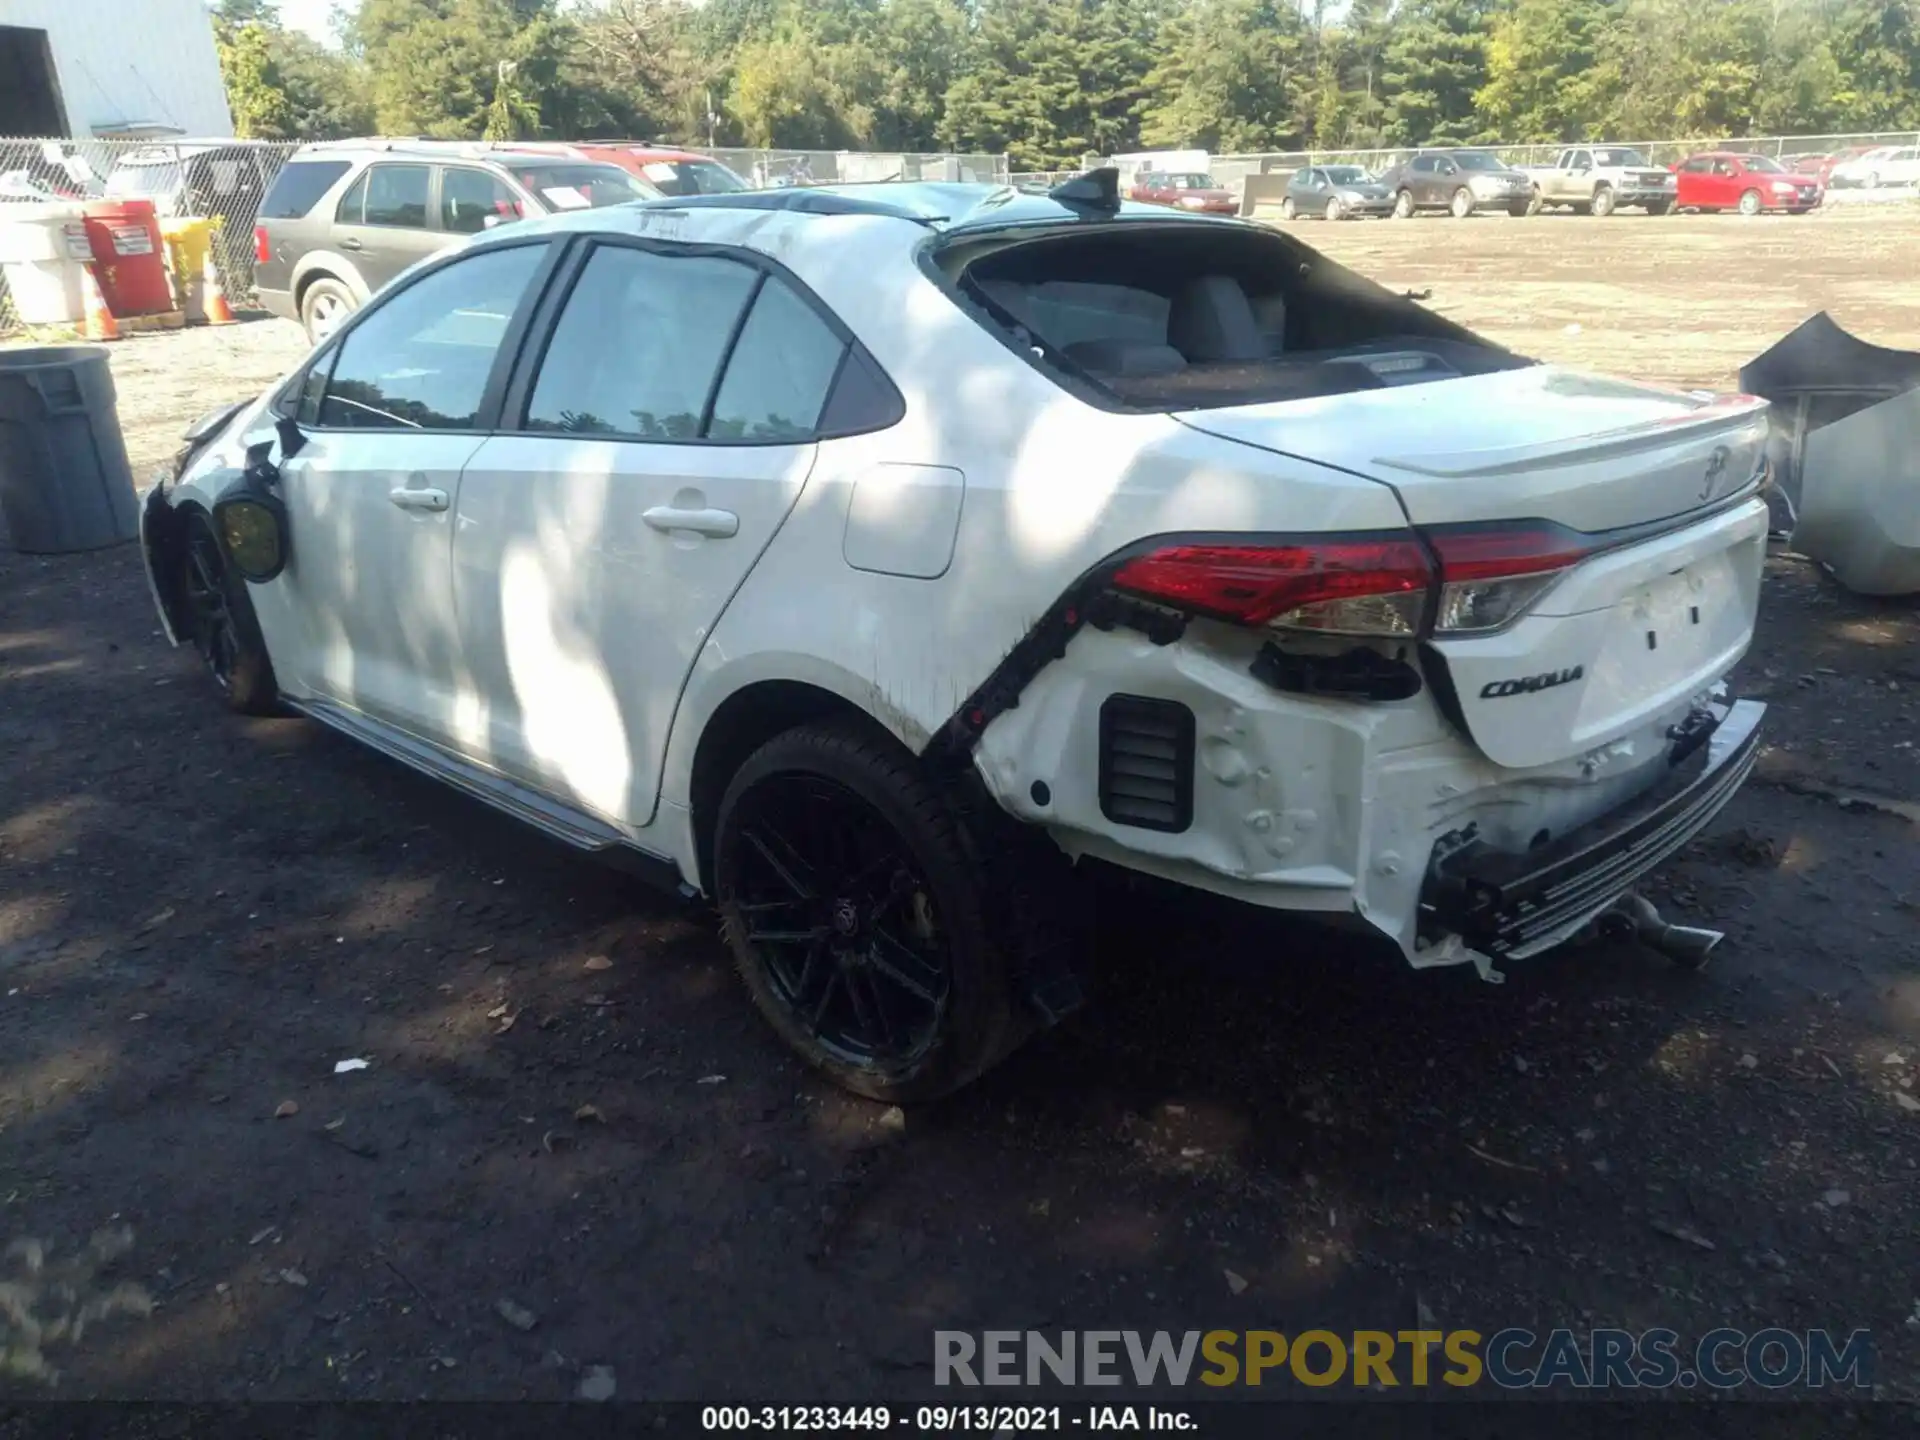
(1049, 81)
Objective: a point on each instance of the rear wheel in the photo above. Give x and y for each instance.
(1335, 210)
(325, 307)
(221, 625)
(1287, 210)
(856, 909)
(1462, 203)
(1750, 202)
(1603, 201)
(1403, 205)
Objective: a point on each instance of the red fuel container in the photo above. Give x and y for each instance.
(129, 259)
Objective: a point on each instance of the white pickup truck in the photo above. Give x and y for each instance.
(1599, 179)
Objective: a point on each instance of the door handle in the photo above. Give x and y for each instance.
(721, 524)
(406, 499)
(350, 244)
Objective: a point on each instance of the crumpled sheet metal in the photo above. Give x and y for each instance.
(1845, 450)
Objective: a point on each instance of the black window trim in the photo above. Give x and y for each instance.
(487, 417)
(545, 321)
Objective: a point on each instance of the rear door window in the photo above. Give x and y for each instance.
(782, 366)
(299, 186)
(639, 345)
(397, 196)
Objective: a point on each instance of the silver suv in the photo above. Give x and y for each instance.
(344, 217)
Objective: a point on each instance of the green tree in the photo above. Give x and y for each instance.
(435, 65)
(1434, 62)
(256, 90)
(1051, 80)
(1234, 76)
(1550, 70)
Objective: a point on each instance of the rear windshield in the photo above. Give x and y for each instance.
(577, 185)
(1153, 316)
(299, 186)
(691, 177)
(146, 181)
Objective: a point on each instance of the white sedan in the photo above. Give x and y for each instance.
(1890, 165)
(861, 558)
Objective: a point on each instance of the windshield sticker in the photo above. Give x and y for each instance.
(565, 197)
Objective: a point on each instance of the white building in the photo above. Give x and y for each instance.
(80, 68)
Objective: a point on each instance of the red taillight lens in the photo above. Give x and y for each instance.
(262, 252)
(1490, 575)
(1373, 585)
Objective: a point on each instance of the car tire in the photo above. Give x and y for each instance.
(1750, 202)
(1403, 205)
(1536, 202)
(1335, 210)
(1521, 209)
(1288, 210)
(857, 903)
(1602, 201)
(222, 626)
(1659, 207)
(1460, 204)
(1873, 180)
(324, 307)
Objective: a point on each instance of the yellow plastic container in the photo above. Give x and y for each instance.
(189, 240)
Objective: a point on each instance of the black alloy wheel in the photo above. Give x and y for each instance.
(214, 633)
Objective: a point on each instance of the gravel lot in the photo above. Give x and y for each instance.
(569, 1107)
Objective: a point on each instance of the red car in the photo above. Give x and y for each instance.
(1820, 167)
(668, 171)
(1184, 190)
(1725, 180)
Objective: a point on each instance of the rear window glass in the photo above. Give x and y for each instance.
(691, 177)
(299, 186)
(579, 186)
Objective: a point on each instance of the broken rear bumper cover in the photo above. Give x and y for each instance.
(1507, 905)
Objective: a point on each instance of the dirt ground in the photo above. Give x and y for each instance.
(574, 1146)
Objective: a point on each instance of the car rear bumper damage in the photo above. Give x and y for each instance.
(1510, 905)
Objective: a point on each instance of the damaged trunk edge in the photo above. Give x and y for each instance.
(1844, 445)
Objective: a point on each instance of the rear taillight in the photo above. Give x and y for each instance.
(262, 252)
(1471, 579)
(1350, 585)
(1490, 575)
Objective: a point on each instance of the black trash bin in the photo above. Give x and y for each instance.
(64, 479)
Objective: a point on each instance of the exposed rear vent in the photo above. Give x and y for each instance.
(1146, 762)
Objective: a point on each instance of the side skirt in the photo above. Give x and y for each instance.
(573, 827)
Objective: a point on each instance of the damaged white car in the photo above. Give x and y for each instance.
(861, 557)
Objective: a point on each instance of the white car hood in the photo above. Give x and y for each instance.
(1542, 442)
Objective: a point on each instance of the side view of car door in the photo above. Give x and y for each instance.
(383, 221)
(388, 414)
(657, 433)
(1693, 179)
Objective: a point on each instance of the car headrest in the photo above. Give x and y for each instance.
(1212, 321)
(1128, 358)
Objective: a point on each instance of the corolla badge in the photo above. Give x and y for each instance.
(1531, 684)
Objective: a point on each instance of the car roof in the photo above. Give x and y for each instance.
(948, 206)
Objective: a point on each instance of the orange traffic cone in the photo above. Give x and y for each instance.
(219, 312)
(99, 324)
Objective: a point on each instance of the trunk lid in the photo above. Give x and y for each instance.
(1628, 636)
(1585, 451)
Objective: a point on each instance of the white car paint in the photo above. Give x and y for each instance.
(550, 628)
(1891, 165)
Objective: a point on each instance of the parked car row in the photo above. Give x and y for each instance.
(1586, 179)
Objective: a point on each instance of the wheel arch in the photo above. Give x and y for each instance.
(326, 265)
(740, 724)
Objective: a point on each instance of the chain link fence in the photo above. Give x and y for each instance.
(223, 179)
(228, 179)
